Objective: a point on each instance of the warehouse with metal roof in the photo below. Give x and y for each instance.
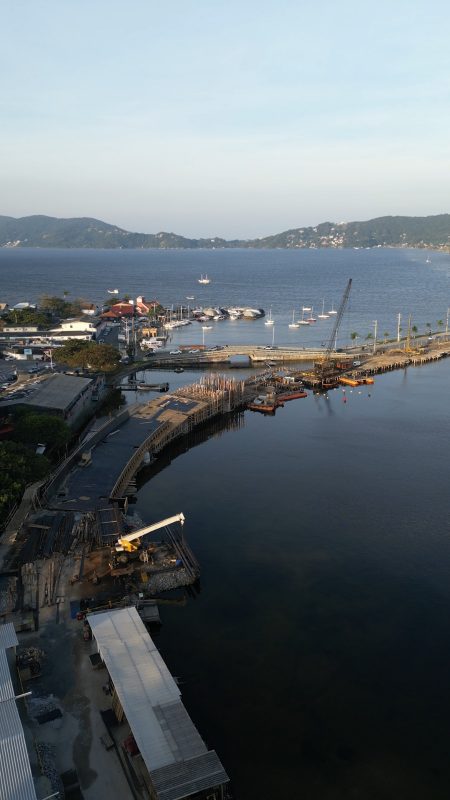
(178, 763)
(16, 780)
(65, 395)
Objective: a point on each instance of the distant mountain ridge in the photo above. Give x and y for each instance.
(84, 232)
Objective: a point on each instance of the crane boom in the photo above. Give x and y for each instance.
(124, 542)
(338, 320)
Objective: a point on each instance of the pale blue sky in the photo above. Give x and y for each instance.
(224, 118)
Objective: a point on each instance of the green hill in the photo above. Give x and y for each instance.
(42, 231)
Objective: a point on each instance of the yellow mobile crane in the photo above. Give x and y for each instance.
(131, 541)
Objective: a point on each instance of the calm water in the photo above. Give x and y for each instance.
(315, 658)
(385, 282)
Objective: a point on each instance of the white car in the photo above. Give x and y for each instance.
(175, 352)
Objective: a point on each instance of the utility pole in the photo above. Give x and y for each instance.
(375, 325)
(399, 319)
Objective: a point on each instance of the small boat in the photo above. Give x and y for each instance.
(113, 291)
(293, 324)
(291, 395)
(269, 320)
(179, 369)
(323, 315)
(264, 405)
(332, 310)
(303, 321)
(190, 297)
(348, 381)
(306, 308)
(206, 327)
(428, 261)
(204, 279)
(312, 318)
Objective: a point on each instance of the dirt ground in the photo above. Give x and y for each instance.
(69, 683)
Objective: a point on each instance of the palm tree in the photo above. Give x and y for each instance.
(429, 326)
(440, 323)
(385, 334)
(414, 330)
(369, 336)
(354, 337)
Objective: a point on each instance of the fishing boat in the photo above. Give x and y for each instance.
(293, 324)
(323, 315)
(269, 320)
(113, 291)
(204, 279)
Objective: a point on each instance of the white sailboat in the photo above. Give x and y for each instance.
(312, 318)
(306, 308)
(293, 324)
(323, 315)
(269, 320)
(113, 291)
(332, 310)
(303, 321)
(204, 279)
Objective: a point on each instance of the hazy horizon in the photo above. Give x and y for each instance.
(236, 121)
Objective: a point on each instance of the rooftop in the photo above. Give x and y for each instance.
(174, 753)
(58, 392)
(16, 781)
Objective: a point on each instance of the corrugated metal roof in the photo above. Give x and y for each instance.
(8, 636)
(6, 687)
(58, 391)
(150, 698)
(16, 781)
(188, 777)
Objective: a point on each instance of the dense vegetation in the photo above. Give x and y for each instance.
(27, 317)
(41, 231)
(89, 355)
(21, 465)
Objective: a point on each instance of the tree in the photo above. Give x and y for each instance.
(89, 355)
(27, 318)
(32, 429)
(440, 323)
(385, 334)
(354, 337)
(414, 330)
(369, 336)
(428, 324)
(20, 466)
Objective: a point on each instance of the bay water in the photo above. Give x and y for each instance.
(314, 657)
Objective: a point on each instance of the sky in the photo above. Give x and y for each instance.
(234, 119)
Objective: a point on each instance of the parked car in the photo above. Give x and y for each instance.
(175, 352)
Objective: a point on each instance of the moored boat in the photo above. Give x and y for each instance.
(296, 395)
